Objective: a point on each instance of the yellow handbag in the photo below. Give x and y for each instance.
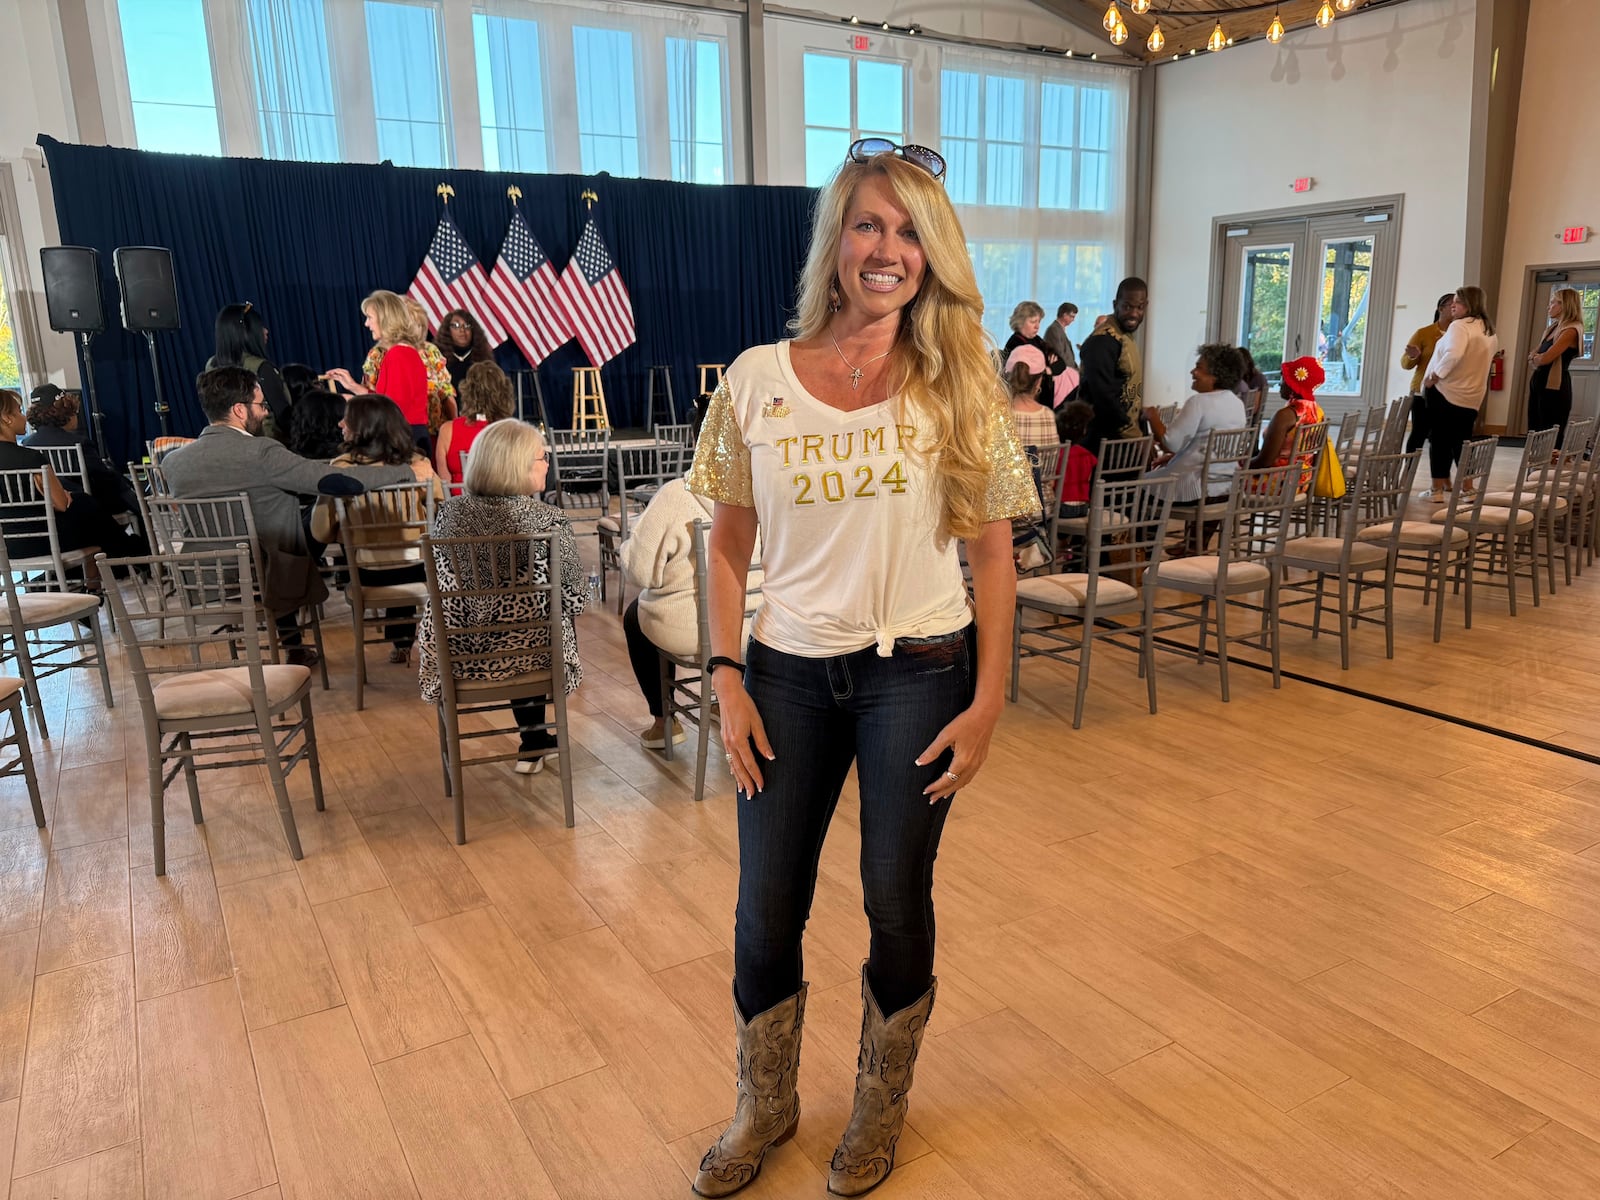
(1329, 483)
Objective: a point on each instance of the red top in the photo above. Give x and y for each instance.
(1079, 476)
(463, 432)
(404, 379)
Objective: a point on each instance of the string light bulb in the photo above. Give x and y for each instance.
(1217, 40)
(1325, 15)
(1112, 19)
(1157, 39)
(1119, 35)
(1275, 30)
(1345, 5)
(1140, 7)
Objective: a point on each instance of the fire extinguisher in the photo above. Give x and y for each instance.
(1497, 372)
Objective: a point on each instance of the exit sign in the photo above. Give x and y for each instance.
(860, 42)
(1303, 184)
(1575, 235)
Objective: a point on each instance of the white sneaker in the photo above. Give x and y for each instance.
(532, 766)
(660, 743)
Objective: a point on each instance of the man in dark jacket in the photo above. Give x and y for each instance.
(1112, 369)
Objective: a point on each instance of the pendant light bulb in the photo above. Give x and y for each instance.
(1140, 7)
(1119, 35)
(1325, 14)
(1345, 5)
(1112, 19)
(1217, 40)
(1157, 40)
(1275, 30)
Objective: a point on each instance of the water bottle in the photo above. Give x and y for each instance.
(594, 587)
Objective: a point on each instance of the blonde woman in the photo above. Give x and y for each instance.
(401, 374)
(1456, 383)
(1550, 385)
(863, 449)
(504, 476)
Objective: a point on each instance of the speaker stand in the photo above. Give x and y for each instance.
(96, 421)
(161, 398)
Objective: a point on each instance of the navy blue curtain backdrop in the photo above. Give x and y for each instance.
(711, 270)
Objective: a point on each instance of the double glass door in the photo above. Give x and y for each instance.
(1320, 286)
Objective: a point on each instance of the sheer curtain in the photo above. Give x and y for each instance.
(293, 79)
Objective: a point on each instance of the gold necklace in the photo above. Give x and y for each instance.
(855, 371)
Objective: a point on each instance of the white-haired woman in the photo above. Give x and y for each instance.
(504, 476)
(863, 449)
(1025, 320)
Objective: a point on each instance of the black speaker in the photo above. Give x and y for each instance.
(72, 288)
(149, 295)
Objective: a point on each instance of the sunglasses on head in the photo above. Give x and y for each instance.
(868, 148)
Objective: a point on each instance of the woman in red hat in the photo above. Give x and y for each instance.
(1301, 379)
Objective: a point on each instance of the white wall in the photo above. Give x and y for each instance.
(1378, 104)
(1555, 181)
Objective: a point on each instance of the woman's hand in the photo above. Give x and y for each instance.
(340, 376)
(967, 738)
(743, 734)
(1429, 380)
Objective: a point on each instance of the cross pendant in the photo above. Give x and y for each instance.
(855, 378)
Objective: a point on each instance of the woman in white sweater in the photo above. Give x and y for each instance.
(1456, 382)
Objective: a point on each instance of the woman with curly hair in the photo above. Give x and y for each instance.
(315, 425)
(463, 343)
(862, 449)
(485, 398)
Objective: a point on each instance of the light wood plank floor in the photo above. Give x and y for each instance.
(1300, 945)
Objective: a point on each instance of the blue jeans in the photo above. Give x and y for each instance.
(822, 714)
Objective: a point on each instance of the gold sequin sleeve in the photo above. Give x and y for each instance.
(721, 468)
(1012, 492)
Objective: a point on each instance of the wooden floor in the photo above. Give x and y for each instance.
(1301, 945)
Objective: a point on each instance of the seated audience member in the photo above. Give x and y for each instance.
(1301, 379)
(1250, 377)
(314, 425)
(1214, 405)
(230, 457)
(1078, 479)
(298, 379)
(57, 420)
(485, 397)
(81, 523)
(505, 475)
(1025, 372)
(376, 435)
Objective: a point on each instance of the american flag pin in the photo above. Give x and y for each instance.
(776, 408)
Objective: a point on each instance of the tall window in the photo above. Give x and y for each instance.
(848, 98)
(293, 83)
(169, 75)
(408, 92)
(10, 361)
(1074, 147)
(510, 93)
(695, 110)
(608, 108)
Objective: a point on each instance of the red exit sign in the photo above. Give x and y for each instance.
(861, 42)
(1575, 235)
(1303, 184)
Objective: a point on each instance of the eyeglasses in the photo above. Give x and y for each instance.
(869, 148)
(458, 325)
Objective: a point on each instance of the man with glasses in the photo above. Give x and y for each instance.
(230, 457)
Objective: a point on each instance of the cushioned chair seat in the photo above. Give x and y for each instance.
(1503, 500)
(10, 685)
(1326, 551)
(1497, 517)
(1067, 592)
(1414, 535)
(1201, 572)
(465, 687)
(1080, 525)
(395, 595)
(51, 608)
(225, 692)
(609, 525)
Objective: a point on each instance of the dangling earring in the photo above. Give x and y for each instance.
(835, 302)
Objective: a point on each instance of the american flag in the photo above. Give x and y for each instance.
(450, 277)
(525, 283)
(596, 302)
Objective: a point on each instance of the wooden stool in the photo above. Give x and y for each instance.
(588, 399)
(659, 397)
(710, 376)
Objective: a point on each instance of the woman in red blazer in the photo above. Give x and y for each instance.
(402, 375)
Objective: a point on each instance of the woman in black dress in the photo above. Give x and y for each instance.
(462, 342)
(242, 342)
(1025, 319)
(1550, 385)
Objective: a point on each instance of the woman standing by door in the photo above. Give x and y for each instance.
(1456, 383)
(1550, 385)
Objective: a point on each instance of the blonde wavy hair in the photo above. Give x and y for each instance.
(1571, 307)
(942, 356)
(394, 322)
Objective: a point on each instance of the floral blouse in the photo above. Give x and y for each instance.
(440, 388)
(522, 651)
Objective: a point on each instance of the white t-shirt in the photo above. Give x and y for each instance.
(1461, 361)
(1201, 413)
(849, 523)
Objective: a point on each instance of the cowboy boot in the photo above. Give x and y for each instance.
(768, 1106)
(883, 1080)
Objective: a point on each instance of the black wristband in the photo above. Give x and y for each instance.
(722, 660)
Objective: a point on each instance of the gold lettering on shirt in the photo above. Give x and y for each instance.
(849, 447)
(787, 444)
(866, 481)
(903, 434)
(810, 444)
(871, 442)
